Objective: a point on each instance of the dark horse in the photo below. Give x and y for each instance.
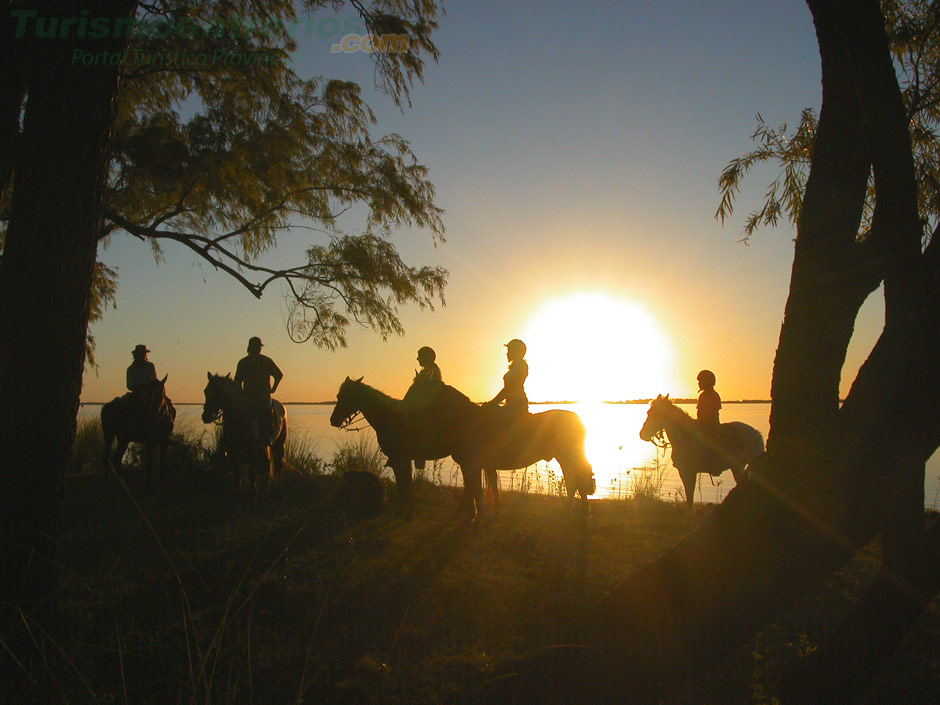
(693, 451)
(146, 418)
(451, 424)
(225, 402)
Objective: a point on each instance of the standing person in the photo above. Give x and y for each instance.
(141, 371)
(253, 375)
(513, 392)
(429, 369)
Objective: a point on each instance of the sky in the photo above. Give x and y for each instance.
(575, 149)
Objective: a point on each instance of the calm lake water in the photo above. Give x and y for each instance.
(614, 448)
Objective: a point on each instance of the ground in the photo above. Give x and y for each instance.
(194, 594)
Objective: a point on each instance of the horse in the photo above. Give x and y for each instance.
(145, 418)
(226, 403)
(694, 452)
(451, 424)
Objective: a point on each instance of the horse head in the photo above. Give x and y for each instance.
(656, 417)
(215, 397)
(347, 402)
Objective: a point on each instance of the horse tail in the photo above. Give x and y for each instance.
(571, 436)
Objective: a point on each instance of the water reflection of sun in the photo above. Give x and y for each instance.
(593, 346)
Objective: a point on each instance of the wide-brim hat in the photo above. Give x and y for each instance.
(139, 349)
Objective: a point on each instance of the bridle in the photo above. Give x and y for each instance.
(659, 439)
(354, 417)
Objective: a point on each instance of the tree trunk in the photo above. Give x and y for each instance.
(45, 281)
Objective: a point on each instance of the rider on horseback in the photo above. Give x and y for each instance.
(709, 403)
(426, 387)
(140, 373)
(429, 369)
(513, 391)
(720, 440)
(253, 375)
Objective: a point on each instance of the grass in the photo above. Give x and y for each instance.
(190, 594)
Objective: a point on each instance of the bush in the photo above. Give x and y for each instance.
(300, 452)
(360, 454)
(87, 447)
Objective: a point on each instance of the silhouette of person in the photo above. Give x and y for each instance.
(429, 369)
(708, 406)
(141, 371)
(426, 387)
(254, 374)
(513, 392)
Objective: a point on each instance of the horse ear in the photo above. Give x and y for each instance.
(348, 379)
(360, 379)
(666, 397)
(163, 381)
(209, 376)
(229, 375)
(659, 396)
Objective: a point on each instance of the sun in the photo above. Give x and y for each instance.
(592, 347)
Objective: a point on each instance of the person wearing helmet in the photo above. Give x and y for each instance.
(253, 375)
(429, 372)
(426, 387)
(709, 403)
(512, 395)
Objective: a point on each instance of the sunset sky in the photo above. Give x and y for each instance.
(575, 148)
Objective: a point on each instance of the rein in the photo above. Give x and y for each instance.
(354, 417)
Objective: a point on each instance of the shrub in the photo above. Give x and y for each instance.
(360, 454)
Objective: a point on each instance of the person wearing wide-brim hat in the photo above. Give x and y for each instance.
(512, 395)
(141, 371)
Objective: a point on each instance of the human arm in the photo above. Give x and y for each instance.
(276, 375)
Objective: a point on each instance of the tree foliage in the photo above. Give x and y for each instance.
(227, 156)
(913, 28)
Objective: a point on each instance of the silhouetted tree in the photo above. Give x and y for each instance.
(92, 149)
(836, 475)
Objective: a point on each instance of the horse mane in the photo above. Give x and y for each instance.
(386, 399)
(672, 405)
(228, 386)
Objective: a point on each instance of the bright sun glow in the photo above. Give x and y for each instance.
(591, 347)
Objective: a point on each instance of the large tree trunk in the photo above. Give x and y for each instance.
(45, 280)
(833, 477)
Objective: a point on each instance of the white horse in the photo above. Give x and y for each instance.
(694, 451)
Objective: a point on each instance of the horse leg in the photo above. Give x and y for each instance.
(163, 467)
(148, 450)
(570, 489)
(688, 482)
(117, 457)
(106, 466)
(492, 484)
(465, 505)
(402, 470)
(277, 460)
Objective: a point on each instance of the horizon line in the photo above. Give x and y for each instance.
(677, 400)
